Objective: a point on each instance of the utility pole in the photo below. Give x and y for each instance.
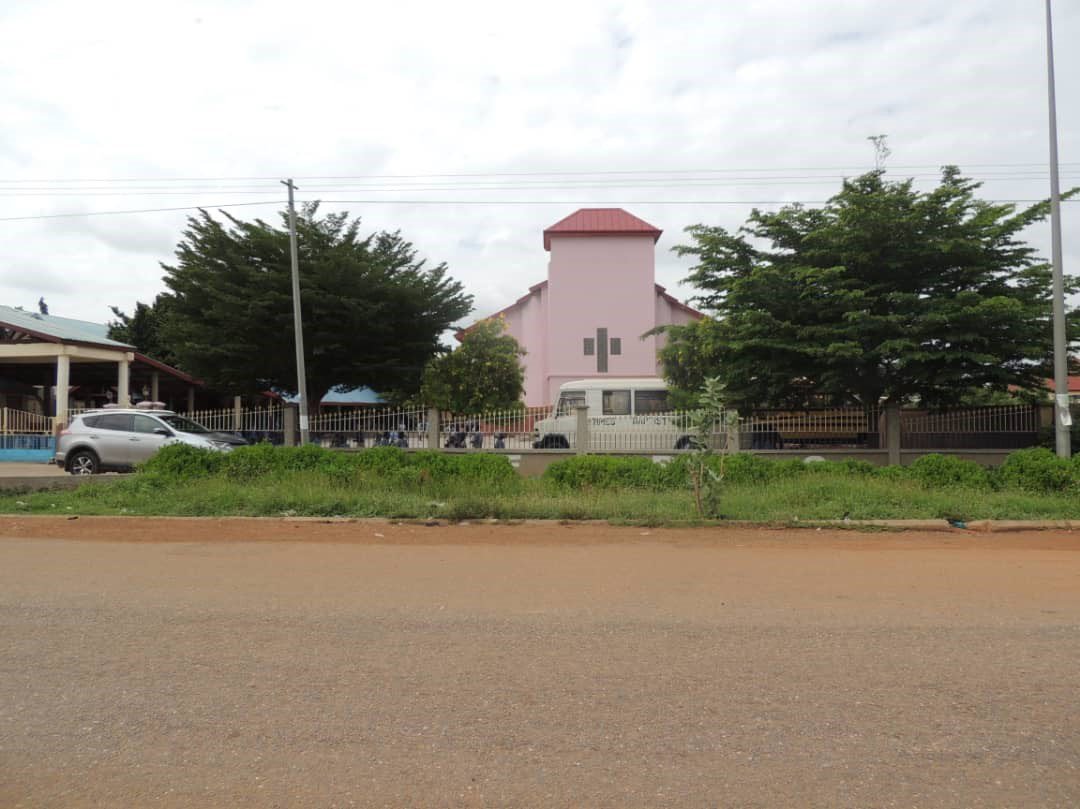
(1062, 416)
(298, 327)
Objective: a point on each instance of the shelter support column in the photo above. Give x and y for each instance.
(155, 387)
(123, 381)
(238, 413)
(63, 382)
(191, 398)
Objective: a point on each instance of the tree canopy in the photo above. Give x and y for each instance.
(372, 310)
(483, 373)
(884, 293)
(144, 329)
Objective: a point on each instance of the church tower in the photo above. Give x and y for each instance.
(601, 296)
(586, 319)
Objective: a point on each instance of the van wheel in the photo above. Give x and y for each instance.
(83, 462)
(552, 442)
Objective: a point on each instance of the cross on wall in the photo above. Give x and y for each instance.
(601, 346)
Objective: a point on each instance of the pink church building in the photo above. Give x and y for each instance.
(587, 319)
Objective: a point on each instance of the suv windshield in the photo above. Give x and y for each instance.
(183, 425)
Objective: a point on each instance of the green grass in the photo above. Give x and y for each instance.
(823, 495)
(387, 482)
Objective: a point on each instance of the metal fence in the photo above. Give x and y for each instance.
(835, 428)
(22, 430)
(657, 432)
(367, 427)
(409, 428)
(254, 419)
(513, 428)
(24, 422)
(1004, 427)
(1000, 427)
(265, 423)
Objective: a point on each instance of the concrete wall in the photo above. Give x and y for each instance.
(668, 314)
(532, 463)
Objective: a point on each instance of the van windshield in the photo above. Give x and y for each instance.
(568, 400)
(183, 425)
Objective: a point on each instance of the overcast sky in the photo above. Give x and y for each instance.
(114, 106)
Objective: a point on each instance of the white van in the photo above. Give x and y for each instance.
(623, 414)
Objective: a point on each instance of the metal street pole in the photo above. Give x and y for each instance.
(298, 327)
(1062, 418)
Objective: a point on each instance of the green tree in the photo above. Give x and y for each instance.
(483, 373)
(885, 293)
(144, 329)
(372, 311)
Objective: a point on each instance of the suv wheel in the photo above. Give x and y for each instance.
(83, 462)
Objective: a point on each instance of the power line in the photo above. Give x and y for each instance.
(689, 182)
(570, 173)
(139, 210)
(561, 202)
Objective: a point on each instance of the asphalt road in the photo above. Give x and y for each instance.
(152, 663)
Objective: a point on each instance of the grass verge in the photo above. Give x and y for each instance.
(362, 493)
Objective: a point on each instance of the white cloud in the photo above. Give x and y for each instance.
(269, 89)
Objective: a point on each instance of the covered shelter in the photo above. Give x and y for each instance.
(51, 365)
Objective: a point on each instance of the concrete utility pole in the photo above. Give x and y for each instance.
(298, 326)
(1062, 416)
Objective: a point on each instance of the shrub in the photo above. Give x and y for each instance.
(608, 472)
(743, 467)
(182, 461)
(260, 460)
(1037, 470)
(383, 461)
(939, 471)
(479, 467)
(384, 464)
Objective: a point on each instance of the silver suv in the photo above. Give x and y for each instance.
(116, 438)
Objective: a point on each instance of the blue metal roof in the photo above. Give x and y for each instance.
(63, 329)
(355, 396)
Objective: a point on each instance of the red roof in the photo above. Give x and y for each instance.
(600, 222)
(1074, 384)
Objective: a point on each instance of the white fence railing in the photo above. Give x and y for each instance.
(23, 422)
(367, 427)
(540, 427)
(513, 428)
(408, 427)
(23, 430)
(269, 419)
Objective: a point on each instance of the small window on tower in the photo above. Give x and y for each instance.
(616, 346)
(590, 346)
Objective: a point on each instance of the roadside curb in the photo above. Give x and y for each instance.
(41, 483)
(976, 526)
(984, 526)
